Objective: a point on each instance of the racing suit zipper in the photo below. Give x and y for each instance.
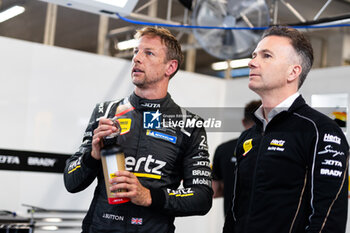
(254, 178)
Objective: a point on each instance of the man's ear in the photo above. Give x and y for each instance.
(171, 67)
(294, 72)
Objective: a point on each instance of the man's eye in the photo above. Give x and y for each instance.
(149, 53)
(267, 55)
(136, 51)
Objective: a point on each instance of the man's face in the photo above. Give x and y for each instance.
(149, 62)
(271, 64)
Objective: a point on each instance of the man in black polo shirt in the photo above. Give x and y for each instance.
(224, 160)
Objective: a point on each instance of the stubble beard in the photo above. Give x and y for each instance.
(144, 82)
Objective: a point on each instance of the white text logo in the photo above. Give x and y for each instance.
(329, 172)
(9, 159)
(331, 138)
(148, 164)
(45, 162)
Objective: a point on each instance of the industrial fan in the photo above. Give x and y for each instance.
(232, 43)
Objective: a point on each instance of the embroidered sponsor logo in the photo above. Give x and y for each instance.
(275, 148)
(331, 138)
(136, 221)
(125, 125)
(150, 105)
(181, 192)
(329, 149)
(276, 142)
(151, 120)
(330, 172)
(247, 146)
(100, 108)
(151, 166)
(331, 162)
(201, 173)
(74, 165)
(202, 181)
(113, 217)
(203, 145)
(202, 163)
(160, 135)
(201, 155)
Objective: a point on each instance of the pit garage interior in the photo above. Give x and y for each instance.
(59, 58)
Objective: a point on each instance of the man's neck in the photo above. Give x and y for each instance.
(152, 93)
(271, 100)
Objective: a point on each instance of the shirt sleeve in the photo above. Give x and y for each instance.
(81, 168)
(329, 181)
(195, 198)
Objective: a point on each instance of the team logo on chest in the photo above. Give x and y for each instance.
(247, 146)
(276, 145)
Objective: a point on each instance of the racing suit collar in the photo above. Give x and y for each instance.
(146, 104)
(297, 103)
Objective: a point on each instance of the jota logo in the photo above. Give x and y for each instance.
(9, 159)
(151, 120)
(151, 105)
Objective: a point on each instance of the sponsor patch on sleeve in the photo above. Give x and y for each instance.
(162, 136)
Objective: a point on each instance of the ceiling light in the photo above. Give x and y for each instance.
(11, 12)
(119, 3)
(128, 44)
(49, 228)
(238, 63)
(221, 65)
(107, 7)
(55, 220)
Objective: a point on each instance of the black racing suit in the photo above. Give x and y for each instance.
(160, 155)
(292, 177)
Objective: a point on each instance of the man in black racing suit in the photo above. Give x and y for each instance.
(158, 154)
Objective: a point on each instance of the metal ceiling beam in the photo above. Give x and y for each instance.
(50, 24)
(322, 9)
(294, 11)
(102, 34)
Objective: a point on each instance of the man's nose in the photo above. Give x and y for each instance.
(252, 63)
(137, 57)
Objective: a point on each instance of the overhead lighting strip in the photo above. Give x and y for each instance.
(11, 12)
(234, 64)
(118, 3)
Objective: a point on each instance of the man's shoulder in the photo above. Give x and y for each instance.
(104, 108)
(229, 143)
(315, 116)
(226, 147)
(324, 124)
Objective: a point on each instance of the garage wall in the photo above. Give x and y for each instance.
(46, 98)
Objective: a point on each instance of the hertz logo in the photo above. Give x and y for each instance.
(276, 142)
(145, 166)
